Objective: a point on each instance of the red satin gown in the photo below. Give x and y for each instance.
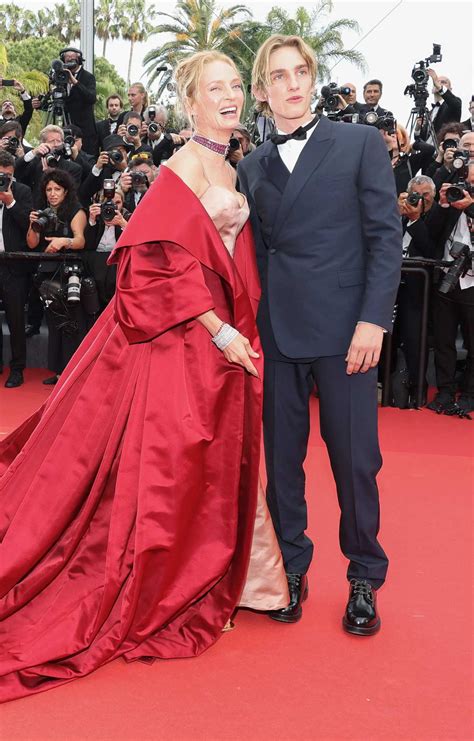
(128, 501)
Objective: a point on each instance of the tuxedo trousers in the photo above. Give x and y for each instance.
(348, 423)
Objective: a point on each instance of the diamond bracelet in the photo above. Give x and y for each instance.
(224, 336)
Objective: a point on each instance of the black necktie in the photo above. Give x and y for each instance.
(300, 133)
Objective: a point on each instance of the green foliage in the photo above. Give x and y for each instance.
(108, 82)
(34, 53)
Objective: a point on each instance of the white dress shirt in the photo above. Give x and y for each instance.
(291, 150)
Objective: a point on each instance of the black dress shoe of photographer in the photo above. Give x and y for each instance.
(298, 589)
(441, 402)
(31, 330)
(361, 612)
(14, 379)
(50, 381)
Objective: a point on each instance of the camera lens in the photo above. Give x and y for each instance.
(153, 128)
(132, 130)
(454, 193)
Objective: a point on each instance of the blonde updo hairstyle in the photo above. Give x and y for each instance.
(188, 74)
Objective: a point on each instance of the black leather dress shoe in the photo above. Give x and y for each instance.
(298, 589)
(31, 330)
(361, 612)
(50, 381)
(14, 379)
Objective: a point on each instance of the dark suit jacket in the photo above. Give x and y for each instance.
(422, 244)
(449, 110)
(16, 221)
(365, 107)
(80, 106)
(30, 173)
(440, 223)
(468, 124)
(328, 239)
(103, 130)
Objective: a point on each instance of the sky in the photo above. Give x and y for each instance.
(404, 37)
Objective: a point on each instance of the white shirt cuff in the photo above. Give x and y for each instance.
(96, 171)
(11, 204)
(29, 156)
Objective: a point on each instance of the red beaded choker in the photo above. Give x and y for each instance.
(216, 147)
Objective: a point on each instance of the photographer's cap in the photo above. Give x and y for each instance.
(114, 140)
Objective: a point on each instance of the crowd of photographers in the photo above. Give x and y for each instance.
(75, 191)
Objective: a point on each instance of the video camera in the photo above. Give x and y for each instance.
(385, 122)
(59, 72)
(329, 99)
(419, 90)
(462, 262)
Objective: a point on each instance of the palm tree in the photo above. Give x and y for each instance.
(135, 25)
(324, 38)
(11, 22)
(66, 21)
(43, 23)
(196, 25)
(106, 21)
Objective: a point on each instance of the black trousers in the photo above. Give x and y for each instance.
(449, 312)
(13, 295)
(348, 420)
(62, 342)
(408, 323)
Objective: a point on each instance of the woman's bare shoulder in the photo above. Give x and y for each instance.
(186, 165)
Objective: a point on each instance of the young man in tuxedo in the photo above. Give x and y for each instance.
(329, 248)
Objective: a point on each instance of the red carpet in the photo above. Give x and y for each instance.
(309, 681)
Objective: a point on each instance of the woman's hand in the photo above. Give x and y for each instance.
(239, 351)
(33, 217)
(56, 244)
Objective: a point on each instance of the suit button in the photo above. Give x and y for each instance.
(272, 251)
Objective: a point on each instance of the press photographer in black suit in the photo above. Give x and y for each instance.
(468, 124)
(104, 228)
(81, 98)
(109, 125)
(441, 168)
(49, 153)
(8, 111)
(11, 137)
(414, 205)
(73, 136)
(15, 206)
(372, 94)
(136, 180)
(111, 163)
(446, 107)
(451, 225)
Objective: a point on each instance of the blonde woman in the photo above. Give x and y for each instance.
(129, 502)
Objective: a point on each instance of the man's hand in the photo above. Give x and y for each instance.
(448, 157)
(236, 155)
(94, 211)
(364, 351)
(36, 103)
(18, 86)
(118, 220)
(437, 84)
(102, 160)
(125, 181)
(240, 351)
(7, 197)
(413, 213)
(467, 201)
(41, 150)
(72, 80)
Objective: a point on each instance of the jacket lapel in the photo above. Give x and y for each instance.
(275, 169)
(310, 159)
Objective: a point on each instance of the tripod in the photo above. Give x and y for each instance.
(422, 112)
(56, 112)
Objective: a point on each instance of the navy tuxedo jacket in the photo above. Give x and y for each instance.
(328, 239)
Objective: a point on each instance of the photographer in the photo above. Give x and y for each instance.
(73, 137)
(107, 220)
(132, 130)
(414, 205)
(240, 145)
(406, 158)
(138, 100)
(8, 112)
(468, 124)
(58, 226)
(372, 95)
(351, 103)
(447, 106)
(50, 153)
(15, 206)
(11, 137)
(81, 97)
(111, 163)
(109, 125)
(449, 137)
(451, 227)
(136, 180)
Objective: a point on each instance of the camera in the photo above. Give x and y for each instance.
(132, 130)
(414, 198)
(46, 222)
(329, 95)
(12, 144)
(449, 144)
(233, 144)
(461, 166)
(153, 127)
(462, 262)
(115, 156)
(5, 180)
(69, 138)
(139, 179)
(420, 76)
(58, 74)
(63, 152)
(108, 209)
(73, 273)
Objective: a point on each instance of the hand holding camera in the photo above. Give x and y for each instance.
(41, 150)
(455, 196)
(6, 195)
(126, 181)
(411, 205)
(94, 213)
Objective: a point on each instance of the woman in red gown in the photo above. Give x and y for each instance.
(128, 503)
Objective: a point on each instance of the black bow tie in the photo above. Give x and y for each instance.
(300, 133)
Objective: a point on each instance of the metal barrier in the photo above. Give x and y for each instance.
(32, 256)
